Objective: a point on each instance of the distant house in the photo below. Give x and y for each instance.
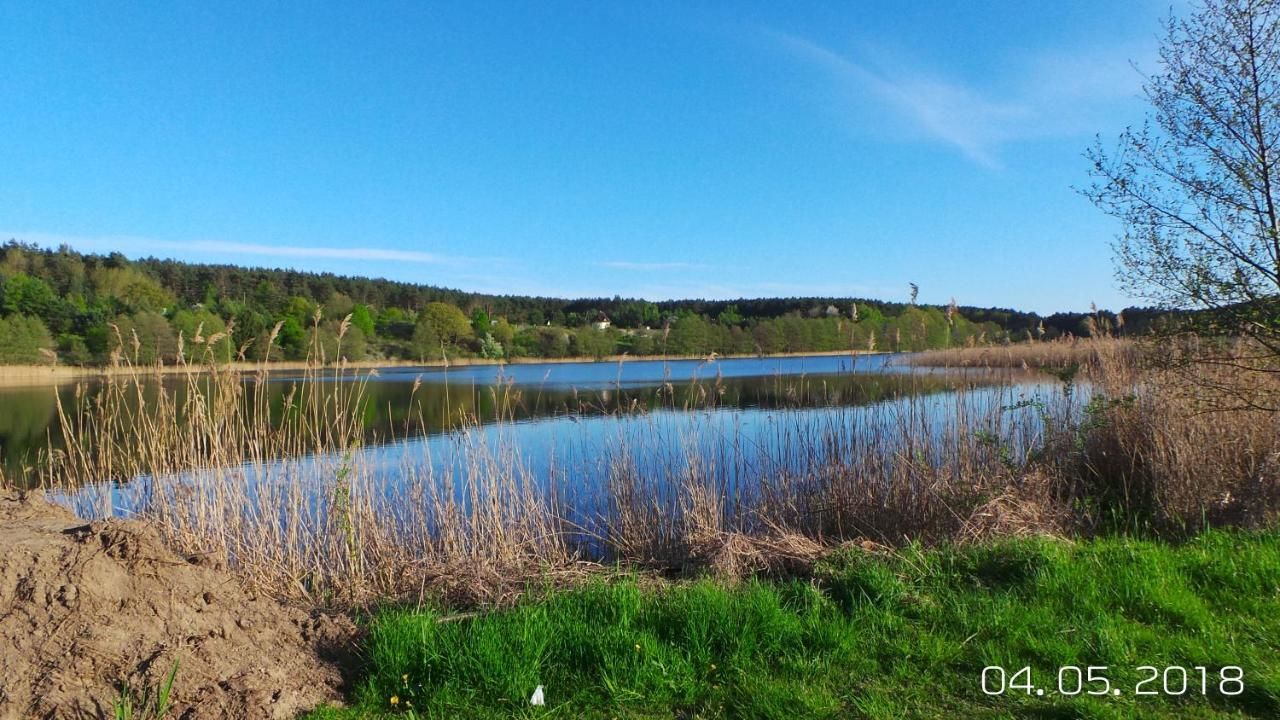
(602, 322)
(832, 311)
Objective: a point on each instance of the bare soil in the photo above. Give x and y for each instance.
(86, 609)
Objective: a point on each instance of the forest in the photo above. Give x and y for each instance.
(62, 306)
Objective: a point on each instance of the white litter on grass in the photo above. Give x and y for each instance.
(537, 698)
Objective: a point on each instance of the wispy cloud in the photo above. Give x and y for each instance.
(1050, 93)
(232, 250)
(947, 111)
(649, 266)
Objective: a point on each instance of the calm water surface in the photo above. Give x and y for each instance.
(560, 416)
(484, 393)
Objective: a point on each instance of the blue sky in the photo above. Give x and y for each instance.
(641, 149)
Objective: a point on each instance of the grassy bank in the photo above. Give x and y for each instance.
(906, 634)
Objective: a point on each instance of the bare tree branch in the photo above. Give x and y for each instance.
(1195, 187)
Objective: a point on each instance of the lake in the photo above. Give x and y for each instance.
(569, 430)
(447, 398)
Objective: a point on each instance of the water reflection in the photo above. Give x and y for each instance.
(414, 402)
(585, 468)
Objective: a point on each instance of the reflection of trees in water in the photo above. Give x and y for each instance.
(438, 407)
(25, 416)
(396, 409)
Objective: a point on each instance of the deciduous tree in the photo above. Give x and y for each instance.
(1196, 187)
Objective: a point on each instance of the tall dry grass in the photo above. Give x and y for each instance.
(300, 505)
(1086, 353)
(138, 426)
(1168, 445)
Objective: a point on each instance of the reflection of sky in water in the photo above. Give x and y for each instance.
(571, 456)
(633, 373)
(446, 399)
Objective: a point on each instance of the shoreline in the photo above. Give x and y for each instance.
(41, 375)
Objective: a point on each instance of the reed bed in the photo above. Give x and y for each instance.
(1059, 354)
(300, 504)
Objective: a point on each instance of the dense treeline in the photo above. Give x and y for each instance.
(61, 305)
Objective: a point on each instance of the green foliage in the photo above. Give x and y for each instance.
(77, 296)
(198, 328)
(427, 343)
(591, 342)
(491, 348)
(25, 295)
(268, 296)
(144, 338)
(152, 704)
(72, 350)
(640, 343)
(691, 335)
(439, 331)
(338, 306)
(292, 339)
(730, 316)
(301, 310)
(362, 318)
(503, 332)
(480, 323)
(396, 323)
(542, 341)
(324, 342)
(134, 289)
(447, 321)
(636, 314)
(24, 340)
(905, 635)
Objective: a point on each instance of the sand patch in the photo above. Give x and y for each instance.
(87, 607)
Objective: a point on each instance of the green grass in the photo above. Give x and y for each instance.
(867, 636)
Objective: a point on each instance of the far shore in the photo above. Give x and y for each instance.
(35, 375)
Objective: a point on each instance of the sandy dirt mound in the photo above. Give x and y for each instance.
(87, 607)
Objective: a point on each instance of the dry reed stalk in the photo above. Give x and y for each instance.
(293, 497)
(1087, 353)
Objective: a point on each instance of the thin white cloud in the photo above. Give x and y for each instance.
(232, 250)
(1052, 93)
(946, 111)
(649, 266)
